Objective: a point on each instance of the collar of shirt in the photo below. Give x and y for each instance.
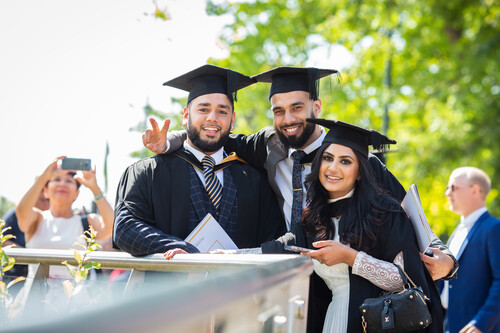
(348, 195)
(218, 156)
(472, 218)
(314, 145)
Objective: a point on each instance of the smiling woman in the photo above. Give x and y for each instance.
(339, 170)
(359, 233)
(58, 227)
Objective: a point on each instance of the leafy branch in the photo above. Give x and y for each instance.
(6, 263)
(82, 270)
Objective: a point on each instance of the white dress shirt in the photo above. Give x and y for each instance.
(218, 156)
(284, 178)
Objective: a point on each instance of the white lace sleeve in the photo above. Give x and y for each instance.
(255, 250)
(381, 273)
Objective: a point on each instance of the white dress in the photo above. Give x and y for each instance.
(336, 278)
(57, 233)
(381, 273)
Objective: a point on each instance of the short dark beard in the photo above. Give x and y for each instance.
(202, 145)
(300, 140)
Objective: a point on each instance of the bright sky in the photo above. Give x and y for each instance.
(76, 74)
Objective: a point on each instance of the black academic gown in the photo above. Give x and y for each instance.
(264, 150)
(153, 202)
(396, 235)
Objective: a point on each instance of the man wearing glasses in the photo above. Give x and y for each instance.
(472, 299)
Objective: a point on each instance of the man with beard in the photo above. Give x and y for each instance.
(290, 145)
(294, 98)
(161, 199)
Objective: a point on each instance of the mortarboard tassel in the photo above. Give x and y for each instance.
(313, 82)
(380, 141)
(232, 82)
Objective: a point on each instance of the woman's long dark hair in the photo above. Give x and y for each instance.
(361, 217)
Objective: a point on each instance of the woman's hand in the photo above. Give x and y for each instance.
(89, 180)
(51, 169)
(331, 252)
(102, 223)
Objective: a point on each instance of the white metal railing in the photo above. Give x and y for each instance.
(229, 293)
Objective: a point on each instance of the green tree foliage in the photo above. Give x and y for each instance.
(432, 64)
(5, 205)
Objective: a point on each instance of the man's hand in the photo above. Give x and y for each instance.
(469, 328)
(171, 253)
(156, 139)
(438, 265)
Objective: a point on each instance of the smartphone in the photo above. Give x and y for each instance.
(76, 164)
(296, 248)
(429, 252)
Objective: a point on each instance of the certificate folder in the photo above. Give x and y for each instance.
(413, 208)
(209, 235)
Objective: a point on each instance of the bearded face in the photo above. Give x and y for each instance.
(289, 134)
(207, 144)
(209, 119)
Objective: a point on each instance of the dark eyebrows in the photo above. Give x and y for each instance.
(343, 156)
(222, 106)
(291, 105)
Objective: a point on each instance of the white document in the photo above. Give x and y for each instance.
(209, 235)
(413, 207)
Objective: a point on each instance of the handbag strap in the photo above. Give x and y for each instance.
(406, 279)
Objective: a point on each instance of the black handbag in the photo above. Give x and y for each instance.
(397, 311)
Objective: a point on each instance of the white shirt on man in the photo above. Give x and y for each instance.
(218, 156)
(284, 177)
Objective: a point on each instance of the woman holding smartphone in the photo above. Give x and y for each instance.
(357, 232)
(58, 227)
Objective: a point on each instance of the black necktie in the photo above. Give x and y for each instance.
(297, 187)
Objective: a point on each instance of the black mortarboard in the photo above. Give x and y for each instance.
(210, 79)
(286, 79)
(352, 136)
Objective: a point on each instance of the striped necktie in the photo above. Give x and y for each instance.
(212, 183)
(297, 156)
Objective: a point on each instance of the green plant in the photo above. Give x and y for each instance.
(7, 307)
(82, 270)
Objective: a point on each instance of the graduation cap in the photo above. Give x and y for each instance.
(210, 79)
(286, 79)
(352, 136)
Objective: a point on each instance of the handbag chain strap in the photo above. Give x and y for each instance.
(405, 277)
(363, 323)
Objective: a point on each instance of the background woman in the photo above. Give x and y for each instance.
(58, 227)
